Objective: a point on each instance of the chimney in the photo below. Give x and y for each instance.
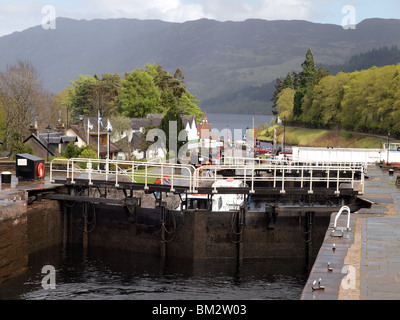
(61, 128)
(33, 129)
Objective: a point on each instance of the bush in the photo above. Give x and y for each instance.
(71, 151)
(346, 134)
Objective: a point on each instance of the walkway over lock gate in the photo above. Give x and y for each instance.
(277, 177)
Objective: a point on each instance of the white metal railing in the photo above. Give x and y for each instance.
(278, 175)
(115, 170)
(334, 175)
(280, 161)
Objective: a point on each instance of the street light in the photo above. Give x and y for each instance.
(48, 129)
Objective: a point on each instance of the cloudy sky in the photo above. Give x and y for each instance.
(18, 15)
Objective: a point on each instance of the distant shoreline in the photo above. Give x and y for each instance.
(323, 138)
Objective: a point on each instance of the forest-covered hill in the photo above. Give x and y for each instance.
(229, 65)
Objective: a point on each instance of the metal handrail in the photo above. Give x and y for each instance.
(115, 169)
(194, 177)
(338, 215)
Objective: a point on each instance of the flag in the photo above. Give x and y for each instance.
(109, 126)
(100, 120)
(90, 126)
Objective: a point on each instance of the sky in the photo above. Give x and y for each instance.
(18, 15)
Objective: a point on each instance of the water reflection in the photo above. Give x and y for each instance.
(114, 274)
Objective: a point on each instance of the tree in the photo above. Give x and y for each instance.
(71, 151)
(179, 76)
(187, 104)
(139, 95)
(89, 95)
(284, 104)
(278, 89)
(172, 118)
(307, 79)
(288, 82)
(23, 101)
(325, 106)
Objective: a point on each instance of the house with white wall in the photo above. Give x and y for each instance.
(134, 135)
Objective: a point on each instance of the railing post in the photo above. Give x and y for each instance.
(116, 175)
(283, 179)
(172, 178)
(252, 181)
(51, 171)
(72, 171)
(302, 178)
(337, 181)
(90, 172)
(215, 180)
(327, 180)
(145, 178)
(311, 181)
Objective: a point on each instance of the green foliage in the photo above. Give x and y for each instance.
(346, 134)
(87, 153)
(139, 95)
(307, 76)
(90, 94)
(284, 104)
(19, 147)
(188, 105)
(144, 92)
(173, 115)
(71, 151)
(363, 101)
(366, 101)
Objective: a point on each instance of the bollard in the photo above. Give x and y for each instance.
(6, 177)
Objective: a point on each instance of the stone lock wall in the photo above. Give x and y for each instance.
(25, 230)
(13, 239)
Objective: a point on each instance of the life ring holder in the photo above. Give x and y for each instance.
(40, 170)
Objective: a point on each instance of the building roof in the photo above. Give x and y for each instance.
(47, 147)
(136, 140)
(187, 118)
(81, 130)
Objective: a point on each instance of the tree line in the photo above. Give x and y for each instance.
(24, 101)
(364, 101)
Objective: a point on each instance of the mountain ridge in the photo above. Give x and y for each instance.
(217, 58)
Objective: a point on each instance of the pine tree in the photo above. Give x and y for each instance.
(308, 74)
(307, 80)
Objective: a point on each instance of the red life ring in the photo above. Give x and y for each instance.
(40, 170)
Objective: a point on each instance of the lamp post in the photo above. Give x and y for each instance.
(284, 135)
(48, 129)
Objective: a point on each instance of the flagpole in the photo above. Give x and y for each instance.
(88, 133)
(108, 145)
(98, 134)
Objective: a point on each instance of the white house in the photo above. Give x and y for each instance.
(86, 135)
(134, 135)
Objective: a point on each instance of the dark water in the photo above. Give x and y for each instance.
(118, 275)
